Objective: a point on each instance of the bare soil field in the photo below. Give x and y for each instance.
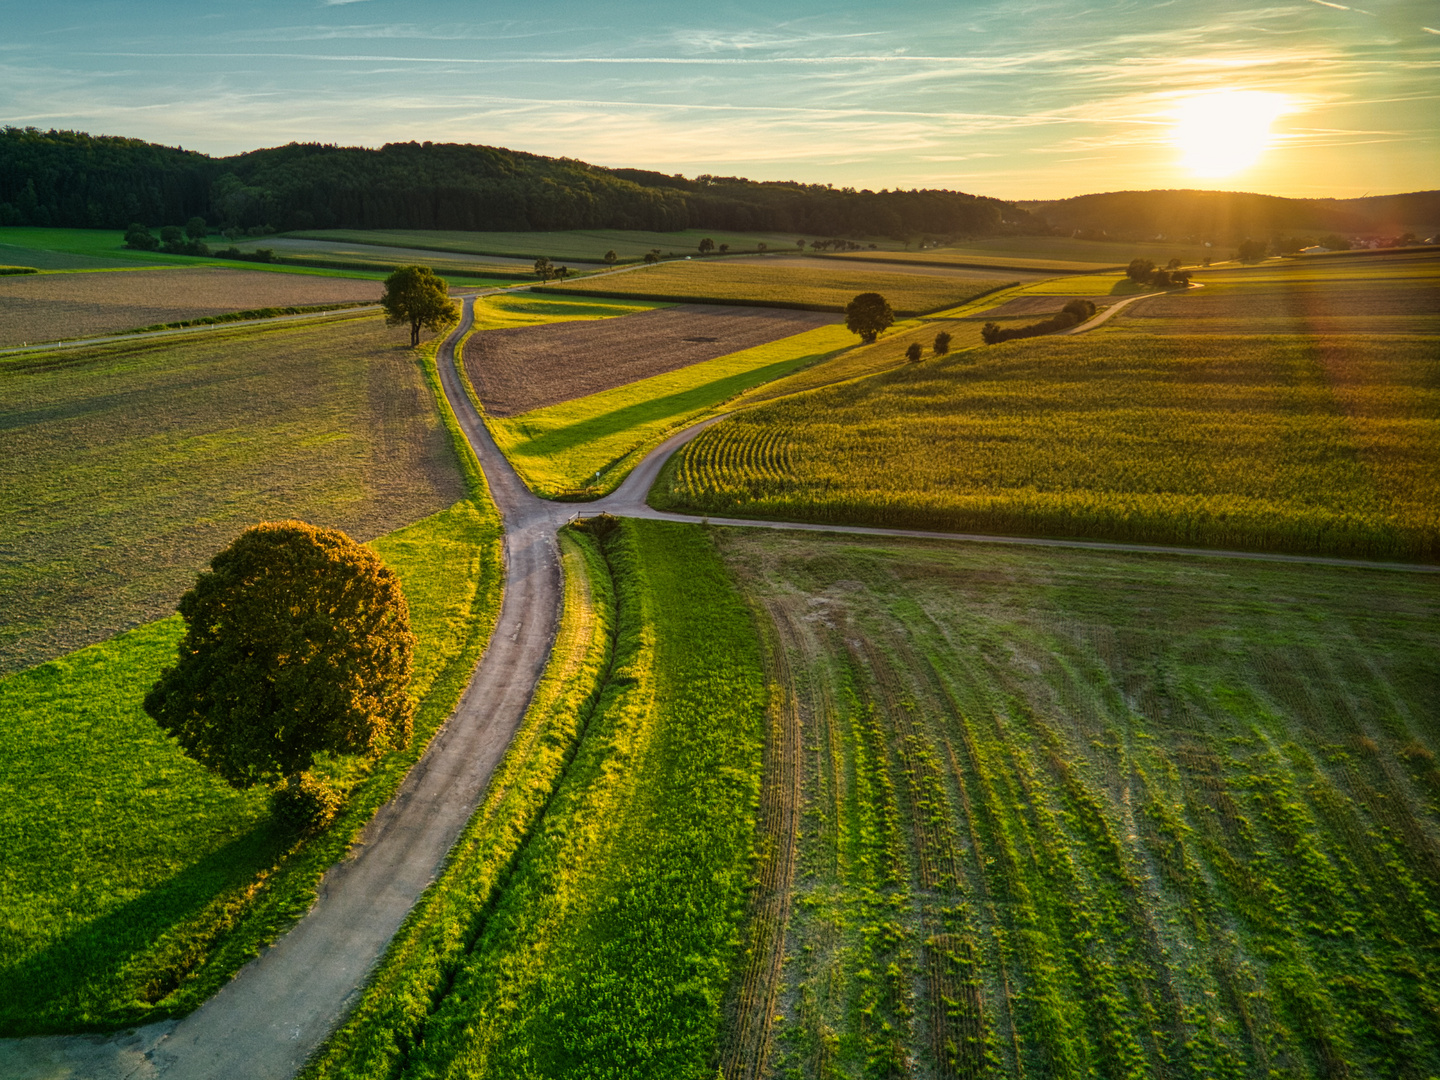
(54, 307)
(527, 368)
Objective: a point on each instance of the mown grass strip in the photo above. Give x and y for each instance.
(420, 965)
(612, 943)
(137, 882)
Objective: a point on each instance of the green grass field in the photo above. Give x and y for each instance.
(1081, 814)
(128, 466)
(581, 245)
(1060, 253)
(826, 288)
(1260, 443)
(137, 882)
(610, 948)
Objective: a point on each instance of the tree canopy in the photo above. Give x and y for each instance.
(414, 295)
(868, 315)
(298, 640)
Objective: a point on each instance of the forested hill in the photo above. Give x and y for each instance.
(70, 179)
(1228, 216)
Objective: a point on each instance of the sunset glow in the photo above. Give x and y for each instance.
(1225, 133)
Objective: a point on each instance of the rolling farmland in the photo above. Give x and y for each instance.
(128, 466)
(823, 289)
(1080, 814)
(139, 882)
(1310, 441)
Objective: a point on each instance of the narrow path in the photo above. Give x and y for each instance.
(1114, 309)
(266, 1021)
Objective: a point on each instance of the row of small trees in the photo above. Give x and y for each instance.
(1145, 272)
(1074, 313)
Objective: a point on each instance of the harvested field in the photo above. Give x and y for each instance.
(128, 466)
(517, 370)
(827, 287)
(52, 307)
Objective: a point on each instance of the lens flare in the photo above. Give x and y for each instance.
(1226, 132)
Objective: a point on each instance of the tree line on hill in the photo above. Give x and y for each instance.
(74, 180)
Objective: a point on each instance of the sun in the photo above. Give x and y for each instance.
(1225, 132)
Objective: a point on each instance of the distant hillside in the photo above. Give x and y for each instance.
(70, 179)
(1225, 216)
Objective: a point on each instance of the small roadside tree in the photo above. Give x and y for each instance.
(942, 343)
(652, 257)
(414, 295)
(196, 228)
(706, 246)
(762, 247)
(800, 245)
(610, 257)
(913, 352)
(297, 641)
(140, 238)
(543, 268)
(868, 315)
(724, 248)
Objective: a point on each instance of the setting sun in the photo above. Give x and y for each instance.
(1222, 133)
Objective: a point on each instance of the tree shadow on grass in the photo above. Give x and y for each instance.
(560, 440)
(112, 971)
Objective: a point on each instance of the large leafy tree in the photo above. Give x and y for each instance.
(414, 295)
(298, 640)
(867, 315)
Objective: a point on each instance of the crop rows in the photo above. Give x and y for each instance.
(1280, 444)
(1190, 824)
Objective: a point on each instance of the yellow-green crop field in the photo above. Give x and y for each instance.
(827, 289)
(1263, 443)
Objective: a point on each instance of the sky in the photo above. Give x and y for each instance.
(1029, 99)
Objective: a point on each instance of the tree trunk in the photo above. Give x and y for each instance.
(414, 332)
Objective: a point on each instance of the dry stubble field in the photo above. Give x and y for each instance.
(526, 368)
(53, 307)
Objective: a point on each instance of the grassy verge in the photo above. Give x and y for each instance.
(258, 313)
(608, 950)
(412, 979)
(1083, 814)
(1273, 444)
(587, 446)
(826, 289)
(136, 882)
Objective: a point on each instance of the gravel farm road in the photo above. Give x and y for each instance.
(280, 1007)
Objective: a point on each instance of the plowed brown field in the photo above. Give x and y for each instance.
(527, 368)
(53, 307)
